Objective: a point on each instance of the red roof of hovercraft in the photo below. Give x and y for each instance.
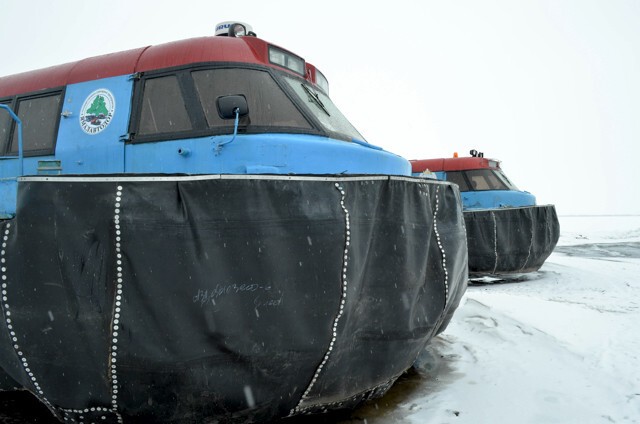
(453, 164)
(194, 50)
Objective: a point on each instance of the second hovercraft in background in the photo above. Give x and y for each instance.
(507, 233)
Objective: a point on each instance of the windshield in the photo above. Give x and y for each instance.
(506, 180)
(480, 180)
(323, 109)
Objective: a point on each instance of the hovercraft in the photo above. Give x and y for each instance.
(507, 233)
(193, 232)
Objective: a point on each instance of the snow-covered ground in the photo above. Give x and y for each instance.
(561, 345)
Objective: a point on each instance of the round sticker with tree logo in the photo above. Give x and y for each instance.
(97, 111)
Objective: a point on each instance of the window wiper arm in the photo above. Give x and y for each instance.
(313, 96)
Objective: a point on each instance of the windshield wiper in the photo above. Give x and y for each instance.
(315, 98)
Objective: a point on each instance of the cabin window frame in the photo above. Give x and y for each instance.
(5, 141)
(458, 177)
(334, 116)
(15, 103)
(488, 176)
(179, 105)
(197, 114)
(279, 100)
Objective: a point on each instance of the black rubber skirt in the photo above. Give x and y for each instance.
(229, 298)
(510, 240)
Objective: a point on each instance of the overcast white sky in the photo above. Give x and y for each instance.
(550, 87)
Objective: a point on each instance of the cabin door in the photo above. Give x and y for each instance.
(93, 126)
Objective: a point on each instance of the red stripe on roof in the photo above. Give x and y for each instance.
(178, 53)
(452, 164)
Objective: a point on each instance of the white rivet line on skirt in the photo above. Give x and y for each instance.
(444, 256)
(115, 327)
(117, 308)
(80, 419)
(495, 242)
(343, 301)
(530, 247)
(6, 309)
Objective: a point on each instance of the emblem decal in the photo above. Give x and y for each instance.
(97, 111)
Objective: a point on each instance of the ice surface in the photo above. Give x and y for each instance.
(561, 345)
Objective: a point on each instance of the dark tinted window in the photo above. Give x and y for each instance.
(163, 107)
(39, 116)
(457, 178)
(268, 105)
(5, 129)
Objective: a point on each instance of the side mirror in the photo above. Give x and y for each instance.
(227, 106)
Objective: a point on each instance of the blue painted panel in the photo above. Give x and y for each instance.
(491, 199)
(8, 193)
(84, 147)
(263, 153)
(9, 167)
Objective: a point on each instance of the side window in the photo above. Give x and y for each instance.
(484, 179)
(5, 128)
(268, 105)
(39, 116)
(163, 107)
(456, 177)
(323, 109)
(503, 178)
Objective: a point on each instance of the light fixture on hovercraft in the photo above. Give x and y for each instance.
(234, 29)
